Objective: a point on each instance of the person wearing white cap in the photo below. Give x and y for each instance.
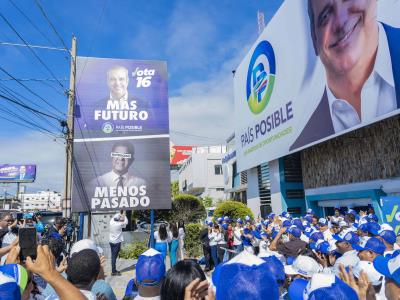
(345, 243)
(303, 266)
(388, 237)
(237, 236)
(117, 222)
(324, 228)
(390, 268)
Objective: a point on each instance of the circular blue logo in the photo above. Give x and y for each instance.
(260, 77)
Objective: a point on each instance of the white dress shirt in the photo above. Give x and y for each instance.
(111, 179)
(215, 238)
(378, 96)
(116, 229)
(122, 99)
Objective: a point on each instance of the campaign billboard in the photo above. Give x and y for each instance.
(17, 173)
(320, 69)
(179, 154)
(391, 211)
(121, 136)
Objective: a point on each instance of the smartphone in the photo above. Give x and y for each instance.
(20, 216)
(27, 243)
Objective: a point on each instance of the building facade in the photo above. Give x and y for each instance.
(44, 200)
(201, 174)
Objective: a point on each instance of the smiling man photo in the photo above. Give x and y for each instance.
(122, 156)
(361, 58)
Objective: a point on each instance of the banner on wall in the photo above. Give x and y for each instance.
(314, 74)
(391, 211)
(121, 140)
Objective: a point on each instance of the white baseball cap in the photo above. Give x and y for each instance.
(85, 244)
(368, 267)
(304, 266)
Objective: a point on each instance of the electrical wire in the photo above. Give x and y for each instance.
(51, 24)
(32, 51)
(29, 108)
(31, 22)
(31, 91)
(13, 94)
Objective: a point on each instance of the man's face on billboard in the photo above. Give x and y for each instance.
(22, 169)
(121, 159)
(341, 30)
(118, 82)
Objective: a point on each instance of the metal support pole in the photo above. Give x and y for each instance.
(152, 228)
(81, 225)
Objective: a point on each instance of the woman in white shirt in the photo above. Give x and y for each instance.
(162, 240)
(215, 236)
(181, 232)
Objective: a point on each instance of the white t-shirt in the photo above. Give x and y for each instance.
(237, 236)
(138, 297)
(159, 240)
(116, 229)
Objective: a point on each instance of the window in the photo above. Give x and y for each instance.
(218, 169)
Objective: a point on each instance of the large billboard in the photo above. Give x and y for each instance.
(121, 136)
(320, 69)
(17, 173)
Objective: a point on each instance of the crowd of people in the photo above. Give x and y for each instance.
(349, 255)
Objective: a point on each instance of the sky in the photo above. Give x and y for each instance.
(202, 42)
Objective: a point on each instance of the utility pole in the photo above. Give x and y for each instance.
(70, 134)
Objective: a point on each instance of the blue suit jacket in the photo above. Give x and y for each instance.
(320, 124)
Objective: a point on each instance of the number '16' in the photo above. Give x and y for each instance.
(143, 81)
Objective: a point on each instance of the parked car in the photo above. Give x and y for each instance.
(144, 226)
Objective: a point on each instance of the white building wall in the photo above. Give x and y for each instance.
(276, 194)
(253, 194)
(199, 172)
(45, 200)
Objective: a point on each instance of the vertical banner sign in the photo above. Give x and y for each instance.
(121, 136)
(391, 211)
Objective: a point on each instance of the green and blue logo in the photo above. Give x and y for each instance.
(260, 77)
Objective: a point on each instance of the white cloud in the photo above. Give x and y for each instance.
(36, 148)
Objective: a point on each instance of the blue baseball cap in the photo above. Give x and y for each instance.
(328, 286)
(297, 288)
(388, 236)
(219, 220)
(256, 279)
(372, 217)
(363, 227)
(276, 268)
(317, 235)
(325, 248)
(322, 222)
(286, 223)
(266, 223)
(298, 223)
(374, 228)
(308, 231)
(347, 236)
(9, 289)
(150, 268)
(247, 218)
(352, 212)
(296, 232)
(310, 211)
(389, 266)
(240, 221)
(226, 218)
(285, 214)
(372, 244)
(308, 219)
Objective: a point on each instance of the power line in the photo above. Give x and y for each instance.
(51, 24)
(31, 46)
(14, 95)
(195, 136)
(29, 108)
(31, 22)
(31, 91)
(32, 79)
(33, 52)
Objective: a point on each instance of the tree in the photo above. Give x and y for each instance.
(207, 201)
(174, 189)
(232, 209)
(187, 208)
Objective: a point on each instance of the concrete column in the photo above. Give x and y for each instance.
(276, 193)
(253, 194)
